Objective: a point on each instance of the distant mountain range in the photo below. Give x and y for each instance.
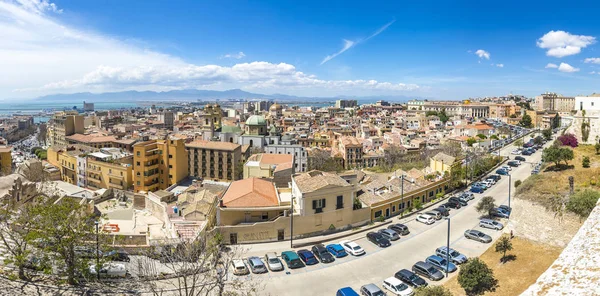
(202, 95)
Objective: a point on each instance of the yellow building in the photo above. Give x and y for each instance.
(214, 160)
(211, 117)
(5, 160)
(64, 124)
(442, 162)
(159, 164)
(65, 159)
(106, 170)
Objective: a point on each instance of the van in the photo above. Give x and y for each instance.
(347, 291)
(443, 211)
(491, 224)
(239, 267)
(435, 214)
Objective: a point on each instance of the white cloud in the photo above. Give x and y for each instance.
(551, 65)
(482, 54)
(236, 56)
(593, 72)
(38, 6)
(561, 44)
(500, 65)
(39, 56)
(592, 60)
(564, 67)
(351, 43)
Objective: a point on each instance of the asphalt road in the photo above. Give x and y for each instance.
(378, 263)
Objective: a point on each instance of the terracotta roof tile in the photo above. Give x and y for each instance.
(315, 180)
(213, 145)
(251, 192)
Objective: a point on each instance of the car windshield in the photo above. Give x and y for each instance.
(480, 234)
(412, 277)
(379, 293)
(401, 287)
(454, 253)
(356, 248)
(431, 270)
(443, 262)
(273, 260)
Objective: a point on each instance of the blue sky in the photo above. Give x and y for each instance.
(438, 49)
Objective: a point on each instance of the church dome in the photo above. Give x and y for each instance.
(256, 120)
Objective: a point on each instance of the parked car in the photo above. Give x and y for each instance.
(457, 200)
(507, 168)
(273, 263)
(454, 256)
(347, 291)
(427, 270)
(378, 239)
(352, 248)
(307, 257)
(440, 263)
(453, 205)
(117, 255)
(426, 219)
(322, 254)
(110, 269)
(337, 250)
(371, 290)
(469, 195)
(463, 198)
(399, 228)
(445, 212)
(410, 278)
(496, 177)
(491, 180)
(478, 236)
(526, 152)
(476, 189)
(516, 152)
(520, 158)
(491, 224)
(256, 265)
(239, 267)
(397, 287)
(513, 163)
(498, 212)
(389, 234)
(435, 214)
(502, 172)
(291, 259)
(506, 208)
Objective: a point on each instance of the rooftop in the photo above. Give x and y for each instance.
(213, 145)
(91, 138)
(315, 180)
(251, 192)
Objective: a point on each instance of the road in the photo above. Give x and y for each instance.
(378, 263)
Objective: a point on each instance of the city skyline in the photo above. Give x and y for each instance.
(439, 51)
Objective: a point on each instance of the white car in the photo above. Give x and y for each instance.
(487, 183)
(490, 180)
(273, 262)
(506, 168)
(397, 287)
(516, 152)
(352, 248)
(424, 218)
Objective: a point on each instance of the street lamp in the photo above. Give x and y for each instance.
(509, 185)
(97, 252)
(448, 248)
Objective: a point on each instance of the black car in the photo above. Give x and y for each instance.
(443, 211)
(322, 254)
(378, 239)
(452, 205)
(521, 158)
(457, 200)
(117, 256)
(495, 177)
(513, 163)
(399, 228)
(410, 278)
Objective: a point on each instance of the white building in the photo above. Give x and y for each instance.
(591, 103)
(300, 156)
(81, 171)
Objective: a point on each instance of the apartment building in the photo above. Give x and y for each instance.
(64, 124)
(214, 160)
(159, 164)
(554, 102)
(91, 140)
(352, 152)
(109, 168)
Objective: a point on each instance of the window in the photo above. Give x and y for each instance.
(378, 214)
(170, 155)
(430, 193)
(318, 205)
(137, 163)
(138, 183)
(170, 176)
(170, 166)
(340, 202)
(265, 216)
(138, 153)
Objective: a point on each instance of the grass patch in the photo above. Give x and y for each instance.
(516, 275)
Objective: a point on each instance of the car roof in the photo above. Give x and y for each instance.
(423, 264)
(394, 281)
(290, 254)
(487, 220)
(335, 246)
(426, 216)
(435, 257)
(255, 260)
(238, 263)
(349, 243)
(371, 287)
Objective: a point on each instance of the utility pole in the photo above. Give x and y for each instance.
(97, 252)
(448, 249)
(402, 195)
(292, 225)
(509, 186)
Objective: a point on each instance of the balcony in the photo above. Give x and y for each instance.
(96, 178)
(150, 173)
(151, 157)
(116, 175)
(116, 185)
(151, 182)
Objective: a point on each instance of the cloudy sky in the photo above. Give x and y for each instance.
(439, 49)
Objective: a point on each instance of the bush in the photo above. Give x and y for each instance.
(585, 162)
(485, 205)
(433, 291)
(568, 140)
(34, 149)
(418, 204)
(476, 277)
(517, 183)
(583, 202)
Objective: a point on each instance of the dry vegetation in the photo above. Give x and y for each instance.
(514, 277)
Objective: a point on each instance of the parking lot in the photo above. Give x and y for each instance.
(380, 263)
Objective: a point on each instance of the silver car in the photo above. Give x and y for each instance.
(273, 262)
(389, 234)
(478, 236)
(256, 265)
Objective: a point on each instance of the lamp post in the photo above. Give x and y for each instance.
(292, 225)
(448, 248)
(402, 195)
(97, 252)
(509, 186)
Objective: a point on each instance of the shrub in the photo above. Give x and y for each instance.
(476, 277)
(585, 162)
(568, 140)
(432, 291)
(485, 205)
(583, 202)
(517, 183)
(418, 204)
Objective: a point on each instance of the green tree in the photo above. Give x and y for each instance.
(443, 117)
(504, 245)
(476, 278)
(538, 140)
(585, 162)
(526, 121)
(16, 235)
(432, 291)
(519, 142)
(471, 141)
(485, 205)
(65, 225)
(566, 154)
(557, 154)
(517, 183)
(418, 204)
(481, 136)
(431, 113)
(494, 137)
(547, 133)
(583, 202)
(597, 147)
